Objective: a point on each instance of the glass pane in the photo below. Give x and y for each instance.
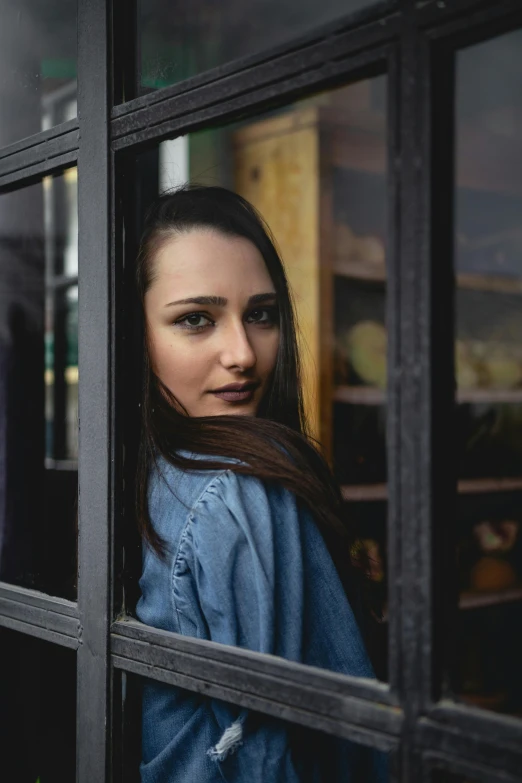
(38, 385)
(178, 41)
(488, 253)
(170, 734)
(37, 710)
(316, 171)
(37, 67)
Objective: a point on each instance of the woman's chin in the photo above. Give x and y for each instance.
(232, 410)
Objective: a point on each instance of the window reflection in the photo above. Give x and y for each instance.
(38, 385)
(488, 257)
(37, 66)
(61, 369)
(316, 171)
(178, 41)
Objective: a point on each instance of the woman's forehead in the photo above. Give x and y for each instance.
(207, 256)
(206, 263)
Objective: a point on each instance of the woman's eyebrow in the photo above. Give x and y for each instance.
(258, 298)
(220, 301)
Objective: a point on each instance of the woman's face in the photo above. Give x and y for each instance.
(212, 322)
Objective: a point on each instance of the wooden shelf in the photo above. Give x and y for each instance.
(364, 492)
(361, 270)
(369, 492)
(496, 283)
(486, 485)
(371, 395)
(359, 395)
(476, 600)
(489, 395)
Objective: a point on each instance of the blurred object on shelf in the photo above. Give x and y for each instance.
(503, 372)
(364, 347)
(500, 364)
(488, 364)
(353, 249)
(490, 549)
(375, 566)
(496, 253)
(492, 573)
(371, 550)
(466, 370)
(479, 364)
(496, 536)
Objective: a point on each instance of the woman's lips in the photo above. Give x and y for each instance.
(236, 395)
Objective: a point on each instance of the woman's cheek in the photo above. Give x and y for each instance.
(170, 360)
(185, 365)
(271, 350)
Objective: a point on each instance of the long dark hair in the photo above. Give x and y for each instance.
(274, 446)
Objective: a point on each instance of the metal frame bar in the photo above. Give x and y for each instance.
(413, 591)
(413, 40)
(36, 156)
(435, 762)
(94, 403)
(340, 718)
(257, 682)
(471, 20)
(470, 721)
(471, 749)
(36, 614)
(210, 655)
(271, 83)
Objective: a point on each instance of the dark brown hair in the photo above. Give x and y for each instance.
(273, 446)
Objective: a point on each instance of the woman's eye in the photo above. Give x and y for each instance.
(265, 315)
(193, 321)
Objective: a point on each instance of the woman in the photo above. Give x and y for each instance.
(241, 517)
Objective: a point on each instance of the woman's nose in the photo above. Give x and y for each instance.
(237, 351)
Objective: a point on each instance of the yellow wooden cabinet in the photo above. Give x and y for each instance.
(278, 167)
(284, 166)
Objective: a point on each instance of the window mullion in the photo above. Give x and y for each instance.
(94, 404)
(412, 540)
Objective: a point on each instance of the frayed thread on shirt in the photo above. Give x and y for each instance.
(230, 741)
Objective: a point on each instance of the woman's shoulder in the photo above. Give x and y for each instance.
(169, 483)
(238, 506)
(205, 502)
(192, 486)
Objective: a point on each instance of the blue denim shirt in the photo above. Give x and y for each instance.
(245, 566)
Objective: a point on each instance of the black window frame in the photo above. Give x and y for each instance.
(414, 43)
